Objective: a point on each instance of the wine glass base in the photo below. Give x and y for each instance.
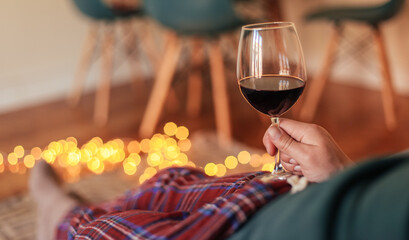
(275, 176)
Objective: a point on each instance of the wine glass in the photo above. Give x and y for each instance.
(271, 72)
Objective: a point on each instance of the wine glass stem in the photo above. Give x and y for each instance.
(278, 168)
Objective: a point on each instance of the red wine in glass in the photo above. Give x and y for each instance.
(272, 95)
(271, 73)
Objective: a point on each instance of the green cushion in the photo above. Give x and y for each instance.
(369, 201)
(194, 17)
(369, 14)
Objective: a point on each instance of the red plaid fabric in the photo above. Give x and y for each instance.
(178, 203)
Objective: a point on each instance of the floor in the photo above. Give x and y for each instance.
(352, 115)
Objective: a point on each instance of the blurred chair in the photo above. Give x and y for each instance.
(205, 21)
(105, 21)
(372, 16)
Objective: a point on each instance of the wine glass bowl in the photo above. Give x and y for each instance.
(271, 71)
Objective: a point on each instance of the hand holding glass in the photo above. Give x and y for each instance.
(271, 71)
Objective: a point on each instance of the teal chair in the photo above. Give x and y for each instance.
(373, 16)
(98, 10)
(205, 21)
(104, 21)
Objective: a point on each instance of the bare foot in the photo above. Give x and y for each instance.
(52, 203)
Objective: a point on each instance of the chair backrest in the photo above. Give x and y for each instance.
(194, 16)
(97, 9)
(391, 8)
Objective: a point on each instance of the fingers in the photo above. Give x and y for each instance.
(293, 168)
(268, 144)
(300, 131)
(286, 144)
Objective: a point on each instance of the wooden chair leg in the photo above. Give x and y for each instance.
(161, 86)
(316, 87)
(387, 87)
(194, 94)
(102, 94)
(220, 97)
(84, 65)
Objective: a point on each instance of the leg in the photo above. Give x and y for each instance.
(161, 86)
(84, 64)
(220, 98)
(194, 94)
(102, 94)
(317, 85)
(52, 203)
(387, 88)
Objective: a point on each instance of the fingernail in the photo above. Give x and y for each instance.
(297, 168)
(274, 133)
(292, 161)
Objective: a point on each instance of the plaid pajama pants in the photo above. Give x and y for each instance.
(177, 203)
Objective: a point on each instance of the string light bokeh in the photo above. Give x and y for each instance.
(148, 156)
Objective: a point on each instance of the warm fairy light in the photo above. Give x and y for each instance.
(184, 145)
(136, 158)
(150, 172)
(172, 152)
(145, 145)
(94, 164)
(86, 155)
(120, 143)
(183, 159)
(129, 168)
(156, 143)
(29, 161)
(36, 152)
(170, 142)
(154, 159)
(134, 147)
(269, 167)
(244, 157)
(49, 155)
(170, 128)
(98, 141)
(92, 147)
(72, 139)
(19, 151)
(130, 165)
(146, 156)
(267, 158)
(255, 161)
(100, 169)
(165, 164)
(58, 147)
(210, 169)
(191, 164)
(73, 158)
(221, 170)
(231, 162)
(143, 178)
(12, 158)
(182, 133)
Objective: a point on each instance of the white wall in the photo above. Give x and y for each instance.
(40, 42)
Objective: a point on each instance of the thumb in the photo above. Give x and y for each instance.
(285, 143)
